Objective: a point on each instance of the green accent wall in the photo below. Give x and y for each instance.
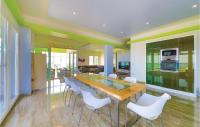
(182, 80)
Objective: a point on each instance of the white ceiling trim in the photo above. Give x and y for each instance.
(61, 25)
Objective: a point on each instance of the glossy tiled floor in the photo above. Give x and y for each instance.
(45, 108)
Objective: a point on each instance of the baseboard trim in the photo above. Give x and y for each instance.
(9, 109)
(177, 93)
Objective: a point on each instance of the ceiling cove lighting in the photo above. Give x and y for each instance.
(194, 6)
(60, 35)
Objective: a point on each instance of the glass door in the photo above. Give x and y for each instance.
(12, 63)
(8, 66)
(73, 62)
(3, 92)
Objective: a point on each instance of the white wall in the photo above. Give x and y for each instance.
(84, 54)
(138, 61)
(102, 59)
(123, 56)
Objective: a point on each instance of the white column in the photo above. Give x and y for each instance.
(108, 59)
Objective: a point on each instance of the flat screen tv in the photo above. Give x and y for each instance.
(124, 65)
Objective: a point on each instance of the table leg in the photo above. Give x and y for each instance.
(116, 113)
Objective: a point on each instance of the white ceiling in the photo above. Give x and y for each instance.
(107, 17)
(121, 18)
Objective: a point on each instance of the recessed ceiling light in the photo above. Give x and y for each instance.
(194, 6)
(147, 23)
(121, 32)
(103, 25)
(74, 13)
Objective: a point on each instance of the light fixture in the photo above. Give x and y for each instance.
(147, 23)
(103, 25)
(194, 6)
(74, 13)
(121, 32)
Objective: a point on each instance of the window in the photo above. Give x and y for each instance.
(3, 89)
(96, 60)
(93, 60)
(8, 66)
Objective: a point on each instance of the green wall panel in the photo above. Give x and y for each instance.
(182, 80)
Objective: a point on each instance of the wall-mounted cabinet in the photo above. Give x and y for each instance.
(183, 79)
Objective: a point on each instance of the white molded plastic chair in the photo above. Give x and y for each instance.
(112, 76)
(130, 79)
(75, 90)
(83, 86)
(148, 106)
(67, 86)
(102, 73)
(74, 86)
(94, 104)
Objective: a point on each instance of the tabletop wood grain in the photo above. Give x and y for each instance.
(118, 94)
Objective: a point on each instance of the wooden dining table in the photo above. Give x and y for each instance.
(117, 90)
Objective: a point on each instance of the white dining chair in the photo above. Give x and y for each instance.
(94, 104)
(130, 79)
(112, 76)
(75, 90)
(74, 87)
(67, 87)
(148, 107)
(102, 73)
(83, 86)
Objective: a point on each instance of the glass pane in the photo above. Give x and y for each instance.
(91, 60)
(12, 41)
(71, 62)
(3, 29)
(108, 82)
(96, 60)
(75, 60)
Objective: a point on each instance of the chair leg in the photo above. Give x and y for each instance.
(161, 121)
(126, 115)
(70, 98)
(109, 107)
(150, 123)
(65, 96)
(135, 97)
(64, 92)
(74, 104)
(81, 114)
(90, 118)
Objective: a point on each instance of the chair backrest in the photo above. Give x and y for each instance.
(88, 98)
(112, 76)
(154, 110)
(67, 82)
(130, 79)
(74, 87)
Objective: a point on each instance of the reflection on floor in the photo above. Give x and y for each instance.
(45, 108)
